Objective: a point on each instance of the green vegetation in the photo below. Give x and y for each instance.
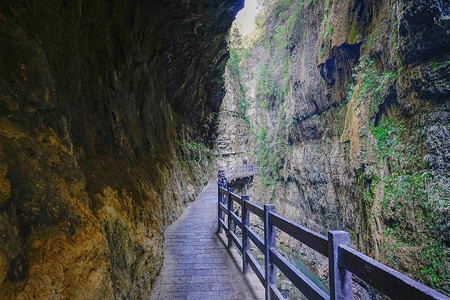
(272, 79)
(281, 36)
(330, 30)
(353, 35)
(268, 85)
(326, 5)
(198, 150)
(322, 51)
(351, 90)
(368, 185)
(288, 251)
(372, 39)
(374, 86)
(387, 134)
(410, 187)
(435, 66)
(243, 106)
(273, 73)
(408, 179)
(262, 133)
(233, 63)
(237, 51)
(433, 254)
(273, 84)
(272, 150)
(399, 193)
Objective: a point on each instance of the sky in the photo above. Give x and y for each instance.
(246, 17)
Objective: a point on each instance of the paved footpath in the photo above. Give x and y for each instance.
(197, 264)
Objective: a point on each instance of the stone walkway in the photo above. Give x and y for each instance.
(197, 264)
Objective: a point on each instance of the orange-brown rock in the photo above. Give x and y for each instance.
(99, 101)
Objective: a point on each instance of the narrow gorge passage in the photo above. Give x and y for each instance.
(114, 115)
(197, 264)
(106, 133)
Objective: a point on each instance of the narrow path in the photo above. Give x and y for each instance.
(197, 264)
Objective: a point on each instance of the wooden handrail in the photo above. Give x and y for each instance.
(342, 259)
(391, 282)
(300, 280)
(256, 209)
(311, 238)
(241, 171)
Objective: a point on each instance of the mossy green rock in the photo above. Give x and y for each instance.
(97, 100)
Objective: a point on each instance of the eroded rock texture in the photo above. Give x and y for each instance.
(99, 103)
(350, 126)
(232, 128)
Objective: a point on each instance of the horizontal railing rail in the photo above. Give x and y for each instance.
(389, 281)
(343, 261)
(301, 281)
(241, 171)
(311, 238)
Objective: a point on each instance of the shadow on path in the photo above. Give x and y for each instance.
(197, 264)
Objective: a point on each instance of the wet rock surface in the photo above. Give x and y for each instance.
(99, 103)
(231, 127)
(423, 30)
(357, 138)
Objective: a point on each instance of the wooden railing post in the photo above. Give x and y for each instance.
(340, 279)
(269, 242)
(245, 240)
(221, 182)
(219, 178)
(230, 207)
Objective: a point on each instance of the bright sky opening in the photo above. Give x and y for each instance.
(246, 17)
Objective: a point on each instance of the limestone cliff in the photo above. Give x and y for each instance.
(105, 128)
(350, 126)
(232, 121)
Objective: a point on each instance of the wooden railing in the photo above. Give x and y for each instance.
(241, 171)
(343, 260)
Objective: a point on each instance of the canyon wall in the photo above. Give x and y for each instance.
(349, 121)
(105, 134)
(232, 123)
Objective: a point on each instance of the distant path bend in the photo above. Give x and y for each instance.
(197, 265)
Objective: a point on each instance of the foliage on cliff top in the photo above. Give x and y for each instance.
(237, 53)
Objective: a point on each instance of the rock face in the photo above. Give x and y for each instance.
(350, 126)
(232, 127)
(105, 112)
